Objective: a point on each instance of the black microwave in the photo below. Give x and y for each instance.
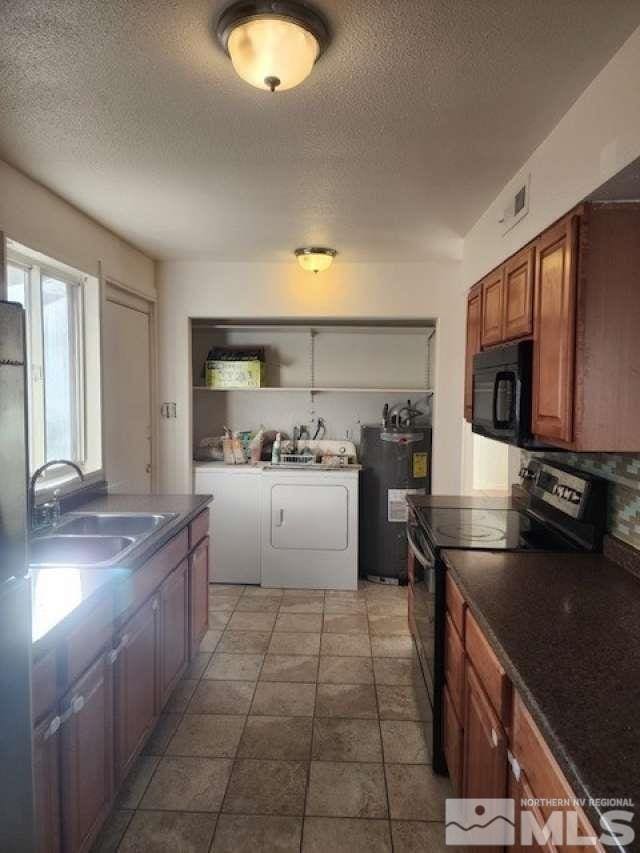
(502, 392)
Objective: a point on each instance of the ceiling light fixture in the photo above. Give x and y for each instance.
(315, 258)
(273, 44)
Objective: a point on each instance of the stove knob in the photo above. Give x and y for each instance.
(575, 497)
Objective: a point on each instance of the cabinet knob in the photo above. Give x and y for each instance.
(52, 728)
(77, 704)
(155, 604)
(494, 737)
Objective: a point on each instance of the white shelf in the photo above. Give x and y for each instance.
(421, 391)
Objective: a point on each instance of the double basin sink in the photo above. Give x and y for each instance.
(93, 540)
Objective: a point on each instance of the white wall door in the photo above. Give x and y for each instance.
(127, 398)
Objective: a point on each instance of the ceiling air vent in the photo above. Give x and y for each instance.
(517, 207)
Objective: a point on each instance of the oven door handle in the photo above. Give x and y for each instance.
(427, 562)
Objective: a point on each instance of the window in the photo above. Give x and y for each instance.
(63, 360)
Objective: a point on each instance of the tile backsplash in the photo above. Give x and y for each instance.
(623, 473)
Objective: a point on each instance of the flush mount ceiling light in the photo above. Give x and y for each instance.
(315, 258)
(273, 44)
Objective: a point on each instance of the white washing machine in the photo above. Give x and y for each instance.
(310, 528)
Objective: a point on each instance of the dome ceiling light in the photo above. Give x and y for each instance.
(273, 44)
(315, 258)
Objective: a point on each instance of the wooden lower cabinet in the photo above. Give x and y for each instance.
(520, 791)
(485, 744)
(46, 785)
(87, 756)
(452, 741)
(198, 595)
(136, 669)
(174, 629)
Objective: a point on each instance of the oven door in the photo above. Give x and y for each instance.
(423, 600)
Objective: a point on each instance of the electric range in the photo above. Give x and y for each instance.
(562, 510)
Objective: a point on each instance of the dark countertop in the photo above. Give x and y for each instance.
(63, 596)
(464, 501)
(566, 628)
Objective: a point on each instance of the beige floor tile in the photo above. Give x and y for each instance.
(218, 619)
(302, 592)
(277, 699)
(136, 783)
(289, 668)
(344, 670)
(207, 736)
(188, 785)
(222, 697)
(400, 702)
(399, 646)
(386, 626)
(304, 623)
(262, 592)
(377, 607)
(397, 671)
(162, 734)
(254, 604)
(346, 645)
(257, 834)
(346, 606)
(346, 835)
(226, 588)
(355, 701)
(244, 642)
(339, 623)
(252, 621)
(346, 790)
(416, 793)
(346, 740)
(266, 787)
(344, 594)
(294, 644)
(406, 741)
(197, 666)
(225, 667)
(285, 738)
(111, 833)
(168, 832)
(181, 696)
(302, 604)
(222, 605)
(210, 640)
(412, 836)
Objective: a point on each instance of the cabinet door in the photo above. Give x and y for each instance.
(554, 338)
(198, 594)
(484, 770)
(87, 757)
(474, 315)
(518, 294)
(452, 739)
(174, 629)
(493, 308)
(520, 791)
(309, 517)
(46, 785)
(136, 685)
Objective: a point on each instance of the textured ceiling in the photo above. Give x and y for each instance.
(411, 122)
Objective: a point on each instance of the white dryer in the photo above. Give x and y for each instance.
(310, 528)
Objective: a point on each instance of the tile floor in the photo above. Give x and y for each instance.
(302, 725)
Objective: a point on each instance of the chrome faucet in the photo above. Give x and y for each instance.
(48, 513)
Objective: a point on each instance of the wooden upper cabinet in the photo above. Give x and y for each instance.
(474, 318)
(493, 308)
(518, 294)
(554, 338)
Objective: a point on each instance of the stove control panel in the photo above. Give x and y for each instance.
(561, 489)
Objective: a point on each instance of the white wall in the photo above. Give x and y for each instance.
(594, 140)
(347, 291)
(37, 218)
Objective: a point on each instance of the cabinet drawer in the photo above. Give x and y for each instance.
(452, 741)
(146, 580)
(199, 528)
(454, 665)
(492, 676)
(545, 778)
(455, 604)
(44, 685)
(84, 644)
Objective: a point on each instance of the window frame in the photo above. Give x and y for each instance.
(36, 271)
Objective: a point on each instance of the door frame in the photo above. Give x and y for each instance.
(136, 300)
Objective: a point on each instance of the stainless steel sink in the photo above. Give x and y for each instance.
(59, 550)
(97, 540)
(112, 524)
